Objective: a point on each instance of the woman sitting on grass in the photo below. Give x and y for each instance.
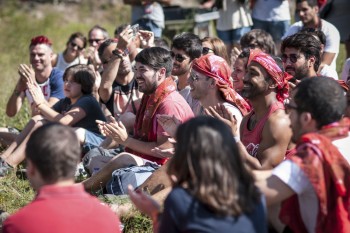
(79, 109)
(212, 189)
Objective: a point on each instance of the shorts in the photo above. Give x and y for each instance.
(277, 29)
(92, 140)
(233, 35)
(149, 25)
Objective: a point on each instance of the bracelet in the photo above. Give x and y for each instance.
(117, 53)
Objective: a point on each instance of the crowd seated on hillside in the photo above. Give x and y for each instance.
(249, 135)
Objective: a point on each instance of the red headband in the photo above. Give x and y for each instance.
(281, 78)
(217, 68)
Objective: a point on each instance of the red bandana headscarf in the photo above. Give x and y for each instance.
(217, 68)
(281, 78)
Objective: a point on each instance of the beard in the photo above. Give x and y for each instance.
(301, 72)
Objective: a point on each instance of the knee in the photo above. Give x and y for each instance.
(80, 132)
(123, 160)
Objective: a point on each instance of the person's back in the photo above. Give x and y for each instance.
(61, 205)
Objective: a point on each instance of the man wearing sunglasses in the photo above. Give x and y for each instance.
(185, 48)
(314, 183)
(308, 12)
(301, 55)
(96, 36)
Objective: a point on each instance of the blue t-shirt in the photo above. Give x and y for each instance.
(91, 107)
(56, 84)
(184, 213)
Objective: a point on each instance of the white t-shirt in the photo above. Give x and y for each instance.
(271, 10)
(329, 72)
(235, 16)
(343, 146)
(291, 174)
(331, 33)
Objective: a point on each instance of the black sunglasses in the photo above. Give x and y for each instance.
(74, 44)
(293, 58)
(178, 57)
(206, 50)
(94, 40)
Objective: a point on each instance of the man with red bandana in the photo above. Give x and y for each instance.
(314, 184)
(265, 133)
(210, 84)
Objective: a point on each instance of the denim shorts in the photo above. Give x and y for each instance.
(149, 25)
(277, 29)
(233, 35)
(92, 140)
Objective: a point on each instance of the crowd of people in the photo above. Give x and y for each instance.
(249, 134)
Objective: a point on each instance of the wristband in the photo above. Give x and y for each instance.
(236, 138)
(117, 53)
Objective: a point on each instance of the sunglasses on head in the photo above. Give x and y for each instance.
(293, 58)
(94, 40)
(178, 57)
(206, 50)
(74, 44)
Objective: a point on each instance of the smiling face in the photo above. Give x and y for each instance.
(40, 57)
(238, 74)
(146, 78)
(75, 46)
(180, 67)
(254, 82)
(199, 84)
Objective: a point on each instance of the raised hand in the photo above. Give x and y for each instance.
(221, 113)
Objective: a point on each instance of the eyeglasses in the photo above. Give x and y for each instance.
(194, 78)
(293, 58)
(206, 50)
(74, 44)
(178, 57)
(91, 41)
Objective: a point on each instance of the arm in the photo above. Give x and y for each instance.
(15, 102)
(274, 189)
(276, 136)
(327, 58)
(108, 77)
(70, 118)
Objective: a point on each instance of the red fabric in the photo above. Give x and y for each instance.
(40, 40)
(217, 68)
(251, 138)
(343, 85)
(58, 209)
(281, 78)
(165, 100)
(329, 174)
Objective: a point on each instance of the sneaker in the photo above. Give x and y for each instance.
(4, 168)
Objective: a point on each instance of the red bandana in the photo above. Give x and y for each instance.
(217, 68)
(281, 78)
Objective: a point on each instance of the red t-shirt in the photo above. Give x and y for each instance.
(58, 209)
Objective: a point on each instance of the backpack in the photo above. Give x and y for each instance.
(134, 175)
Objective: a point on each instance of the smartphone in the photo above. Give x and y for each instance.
(135, 29)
